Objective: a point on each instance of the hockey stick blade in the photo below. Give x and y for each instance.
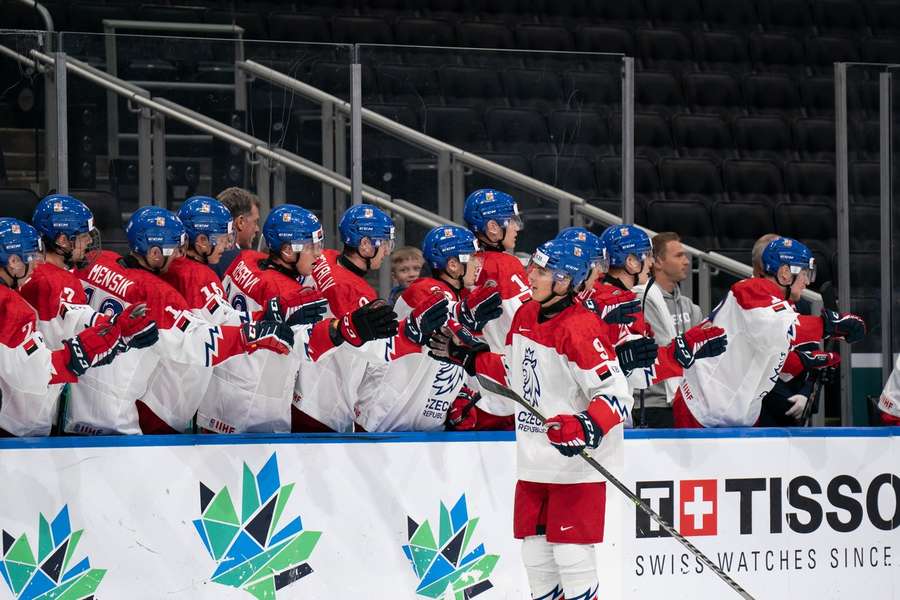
(495, 388)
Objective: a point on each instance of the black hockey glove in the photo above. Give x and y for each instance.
(700, 341)
(638, 353)
(846, 326)
(373, 321)
(454, 344)
(304, 307)
(623, 314)
(482, 305)
(268, 335)
(425, 319)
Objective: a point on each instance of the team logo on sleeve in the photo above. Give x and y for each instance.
(51, 573)
(250, 550)
(451, 565)
(531, 384)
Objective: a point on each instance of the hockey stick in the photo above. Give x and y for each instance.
(829, 301)
(496, 388)
(649, 285)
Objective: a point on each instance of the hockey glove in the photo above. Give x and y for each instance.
(846, 326)
(816, 359)
(302, 307)
(91, 346)
(615, 306)
(638, 353)
(479, 307)
(454, 344)
(701, 341)
(137, 329)
(462, 415)
(373, 321)
(427, 317)
(570, 434)
(268, 335)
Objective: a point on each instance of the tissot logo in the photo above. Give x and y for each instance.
(802, 503)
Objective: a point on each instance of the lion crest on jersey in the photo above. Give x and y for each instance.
(448, 378)
(531, 384)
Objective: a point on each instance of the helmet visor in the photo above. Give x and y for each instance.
(222, 239)
(316, 243)
(601, 261)
(809, 271)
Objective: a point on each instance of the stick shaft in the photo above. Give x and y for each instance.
(638, 502)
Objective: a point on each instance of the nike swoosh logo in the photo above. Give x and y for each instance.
(566, 528)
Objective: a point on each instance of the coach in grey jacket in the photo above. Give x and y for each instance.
(669, 314)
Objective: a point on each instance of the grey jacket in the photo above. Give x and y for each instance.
(681, 313)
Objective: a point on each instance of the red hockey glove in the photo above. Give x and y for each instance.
(91, 346)
(268, 335)
(638, 353)
(480, 306)
(846, 326)
(570, 434)
(462, 415)
(615, 306)
(426, 318)
(373, 321)
(454, 344)
(137, 329)
(701, 341)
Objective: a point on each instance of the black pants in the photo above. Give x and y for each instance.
(655, 417)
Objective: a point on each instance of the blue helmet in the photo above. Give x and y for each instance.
(787, 251)
(58, 214)
(291, 224)
(565, 258)
(490, 205)
(18, 238)
(202, 214)
(366, 221)
(591, 242)
(623, 241)
(152, 226)
(446, 242)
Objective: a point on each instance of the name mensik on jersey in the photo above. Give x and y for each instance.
(108, 279)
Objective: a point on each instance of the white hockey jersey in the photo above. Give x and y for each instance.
(889, 401)
(561, 366)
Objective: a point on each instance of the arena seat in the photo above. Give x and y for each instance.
(713, 93)
(478, 34)
(456, 125)
(690, 219)
(657, 92)
(18, 203)
(817, 94)
(703, 136)
(754, 181)
(573, 174)
(815, 139)
(735, 15)
(766, 138)
(865, 227)
(652, 136)
(519, 130)
(884, 16)
(865, 182)
(839, 15)
(544, 37)
(361, 30)
(739, 224)
(424, 32)
(792, 16)
(823, 51)
(881, 50)
(691, 179)
(674, 12)
(594, 91)
(812, 223)
(811, 182)
(772, 94)
(777, 53)
(597, 38)
(471, 86)
(412, 85)
(665, 50)
(719, 51)
(647, 186)
(582, 133)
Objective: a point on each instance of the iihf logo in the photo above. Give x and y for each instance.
(531, 384)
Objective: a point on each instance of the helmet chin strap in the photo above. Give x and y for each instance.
(15, 280)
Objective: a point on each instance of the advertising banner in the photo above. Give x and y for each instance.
(430, 516)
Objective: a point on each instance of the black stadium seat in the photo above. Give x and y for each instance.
(754, 181)
(18, 203)
(594, 91)
(813, 224)
(361, 30)
(737, 15)
(815, 139)
(823, 51)
(777, 52)
(719, 51)
(657, 92)
(703, 136)
(478, 34)
(665, 50)
(881, 50)
(690, 219)
(646, 180)
(597, 38)
(299, 27)
(839, 15)
(739, 224)
(811, 182)
(865, 183)
(691, 179)
(792, 16)
(518, 130)
(763, 138)
(413, 85)
(817, 94)
(471, 86)
(581, 133)
(424, 32)
(458, 126)
(717, 93)
(884, 16)
(531, 88)
(677, 12)
(772, 94)
(865, 227)
(573, 174)
(652, 136)
(544, 37)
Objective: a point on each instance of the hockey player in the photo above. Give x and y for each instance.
(160, 388)
(254, 393)
(31, 375)
(416, 392)
(889, 401)
(763, 326)
(559, 361)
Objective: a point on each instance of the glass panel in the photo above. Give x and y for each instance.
(551, 116)
(22, 122)
(198, 74)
